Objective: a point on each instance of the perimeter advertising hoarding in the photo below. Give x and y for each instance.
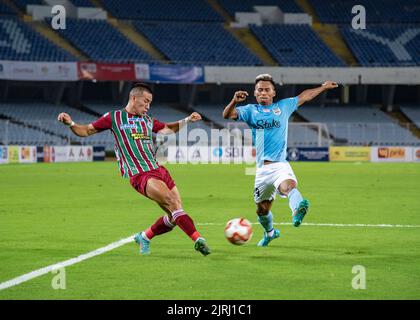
(308, 154)
(392, 154)
(350, 153)
(38, 71)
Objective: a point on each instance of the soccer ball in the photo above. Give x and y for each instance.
(238, 231)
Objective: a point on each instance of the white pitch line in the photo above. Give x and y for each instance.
(114, 245)
(45, 270)
(360, 225)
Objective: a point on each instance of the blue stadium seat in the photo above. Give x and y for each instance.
(296, 45)
(178, 10)
(102, 42)
(23, 3)
(82, 3)
(384, 45)
(31, 45)
(197, 43)
(5, 9)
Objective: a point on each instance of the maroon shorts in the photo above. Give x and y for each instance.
(139, 181)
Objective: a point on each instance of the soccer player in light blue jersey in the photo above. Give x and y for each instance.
(269, 122)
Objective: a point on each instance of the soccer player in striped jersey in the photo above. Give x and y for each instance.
(269, 123)
(132, 129)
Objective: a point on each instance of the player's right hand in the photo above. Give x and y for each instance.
(240, 96)
(64, 118)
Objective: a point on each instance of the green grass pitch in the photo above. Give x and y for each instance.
(53, 212)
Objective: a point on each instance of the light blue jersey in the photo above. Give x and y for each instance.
(269, 128)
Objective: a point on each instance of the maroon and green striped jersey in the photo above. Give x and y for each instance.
(133, 140)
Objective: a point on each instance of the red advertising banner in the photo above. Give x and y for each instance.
(106, 71)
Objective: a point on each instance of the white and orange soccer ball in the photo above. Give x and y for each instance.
(238, 231)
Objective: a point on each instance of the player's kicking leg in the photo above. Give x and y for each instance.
(162, 225)
(265, 218)
(170, 201)
(297, 204)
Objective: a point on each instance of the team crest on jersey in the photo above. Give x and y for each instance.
(276, 111)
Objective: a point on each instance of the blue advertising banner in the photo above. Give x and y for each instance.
(4, 154)
(98, 153)
(176, 74)
(308, 154)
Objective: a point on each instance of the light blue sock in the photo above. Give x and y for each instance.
(266, 221)
(294, 199)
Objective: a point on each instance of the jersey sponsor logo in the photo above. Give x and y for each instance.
(277, 111)
(135, 119)
(140, 136)
(266, 110)
(264, 124)
(128, 126)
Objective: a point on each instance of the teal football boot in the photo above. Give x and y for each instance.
(267, 239)
(300, 212)
(143, 243)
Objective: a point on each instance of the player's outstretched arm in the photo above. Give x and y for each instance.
(81, 130)
(230, 110)
(309, 94)
(173, 127)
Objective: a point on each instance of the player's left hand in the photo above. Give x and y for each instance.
(330, 85)
(195, 116)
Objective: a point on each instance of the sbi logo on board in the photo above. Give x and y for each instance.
(230, 152)
(217, 152)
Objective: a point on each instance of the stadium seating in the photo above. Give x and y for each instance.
(377, 11)
(16, 134)
(178, 10)
(197, 43)
(102, 42)
(299, 134)
(360, 125)
(413, 113)
(23, 3)
(82, 3)
(296, 45)
(31, 45)
(162, 112)
(233, 6)
(383, 45)
(5, 9)
(41, 117)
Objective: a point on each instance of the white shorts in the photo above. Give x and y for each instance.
(269, 177)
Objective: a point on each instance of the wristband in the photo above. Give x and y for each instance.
(183, 122)
(71, 124)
